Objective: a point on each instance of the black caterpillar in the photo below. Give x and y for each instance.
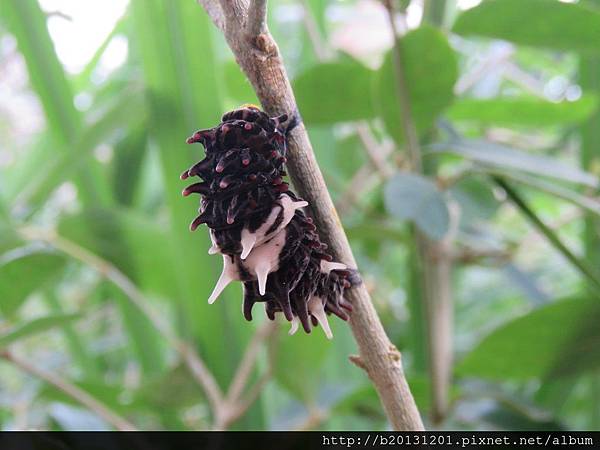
(258, 225)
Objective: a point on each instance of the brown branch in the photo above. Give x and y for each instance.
(245, 367)
(236, 404)
(256, 23)
(214, 11)
(72, 391)
(433, 256)
(363, 180)
(376, 152)
(259, 58)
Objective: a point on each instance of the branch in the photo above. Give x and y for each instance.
(434, 259)
(583, 268)
(72, 391)
(256, 23)
(245, 367)
(214, 11)
(376, 153)
(235, 404)
(262, 64)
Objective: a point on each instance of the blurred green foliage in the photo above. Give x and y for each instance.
(91, 216)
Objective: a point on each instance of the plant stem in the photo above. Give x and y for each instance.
(434, 12)
(581, 266)
(72, 391)
(432, 262)
(258, 56)
(589, 70)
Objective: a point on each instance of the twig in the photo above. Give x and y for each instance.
(470, 255)
(214, 11)
(433, 256)
(244, 370)
(408, 126)
(110, 272)
(376, 152)
(262, 63)
(256, 23)
(552, 237)
(361, 182)
(495, 59)
(72, 391)
(243, 404)
(313, 420)
(322, 51)
(236, 404)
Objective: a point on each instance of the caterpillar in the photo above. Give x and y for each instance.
(258, 226)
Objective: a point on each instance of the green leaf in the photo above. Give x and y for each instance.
(127, 167)
(36, 326)
(134, 243)
(476, 199)
(239, 89)
(173, 389)
(82, 79)
(299, 359)
(335, 92)
(32, 269)
(430, 70)
(555, 339)
(508, 158)
(416, 198)
(28, 23)
(128, 108)
(522, 111)
(540, 23)
(591, 204)
(139, 247)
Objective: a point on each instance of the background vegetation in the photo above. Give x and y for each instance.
(103, 289)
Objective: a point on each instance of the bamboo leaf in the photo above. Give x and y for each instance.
(36, 326)
(590, 204)
(587, 273)
(522, 111)
(431, 70)
(184, 95)
(33, 268)
(540, 23)
(545, 338)
(28, 23)
(335, 92)
(508, 158)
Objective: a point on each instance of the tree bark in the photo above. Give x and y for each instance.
(245, 30)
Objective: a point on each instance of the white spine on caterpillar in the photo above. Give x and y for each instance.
(229, 274)
(264, 259)
(316, 309)
(328, 266)
(249, 240)
(295, 325)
